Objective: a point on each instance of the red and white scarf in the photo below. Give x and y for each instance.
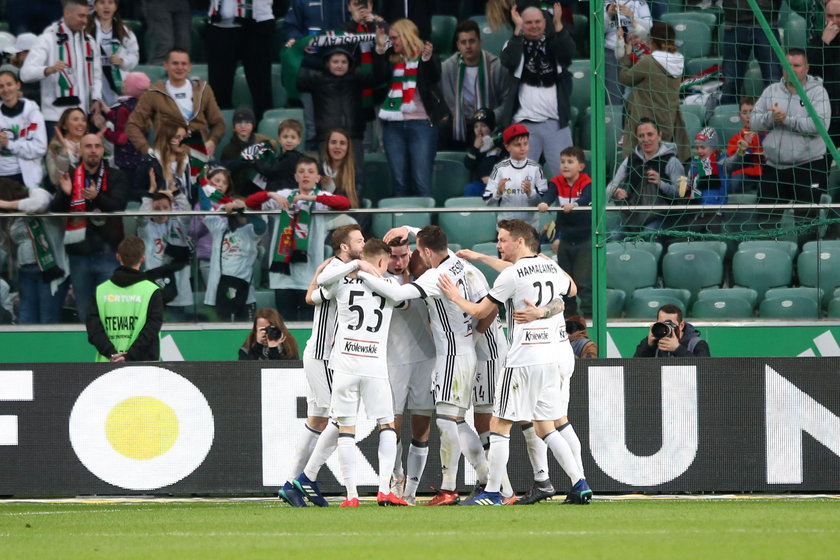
(76, 228)
(400, 98)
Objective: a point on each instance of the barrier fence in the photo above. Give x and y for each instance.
(703, 425)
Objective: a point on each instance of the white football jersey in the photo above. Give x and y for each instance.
(491, 344)
(364, 319)
(410, 337)
(320, 341)
(539, 281)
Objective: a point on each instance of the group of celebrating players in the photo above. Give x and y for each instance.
(372, 345)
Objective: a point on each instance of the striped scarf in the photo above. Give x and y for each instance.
(198, 155)
(244, 11)
(76, 228)
(68, 92)
(400, 98)
(292, 235)
(483, 94)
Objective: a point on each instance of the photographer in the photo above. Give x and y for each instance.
(671, 337)
(269, 338)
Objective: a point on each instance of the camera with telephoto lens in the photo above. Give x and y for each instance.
(663, 329)
(273, 332)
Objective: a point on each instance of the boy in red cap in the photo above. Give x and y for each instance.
(516, 180)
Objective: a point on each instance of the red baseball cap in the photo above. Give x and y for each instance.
(513, 131)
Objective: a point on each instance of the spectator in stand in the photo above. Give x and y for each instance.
(91, 186)
(293, 258)
(648, 176)
(743, 38)
(796, 165)
(748, 176)
(538, 60)
(23, 140)
(117, 44)
(472, 79)
(126, 156)
(61, 62)
(269, 338)
(276, 170)
(633, 18)
(341, 174)
(178, 99)
(241, 31)
(414, 108)
(42, 267)
(655, 90)
(418, 11)
(483, 154)
(17, 56)
(63, 150)
(219, 178)
(244, 136)
(583, 347)
(31, 15)
(499, 12)
(166, 165)
(168, 24)
(336, 92)
(824, 58)
(363, 20)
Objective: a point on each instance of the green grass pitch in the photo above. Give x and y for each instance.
(760, 528)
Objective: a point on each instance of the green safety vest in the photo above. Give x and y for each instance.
(123, 312)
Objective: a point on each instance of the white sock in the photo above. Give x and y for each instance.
(450, 452)
(398, 462)
(507, 487)
(568, 433)
(387, 451)
(485, 441)
(537, 453)
(473, 451)
(498, 458)
(563, 453)
(323, 449)
(415, 464)
(347, 461)
(303, 450)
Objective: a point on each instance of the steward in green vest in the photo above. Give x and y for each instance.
(127, 313)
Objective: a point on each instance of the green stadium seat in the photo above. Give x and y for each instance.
(242, 94)
(740, 219)
(832, 244)
(652, 247)
(631, 269)
(265, 298)
(726, 126)
(753, 83)
(581, 34)
(492, 41)
(795, 32)
(722, 308)
(696, 38)
(747, 294)
(273, 117)
(677, 293)
(153, 71)
(762, 268)
(615, 302)
(790, 247)
(718, 247)
(791, 303)
(698, 111)
(130, 222)
(728, 109)
(675, 18)
(612, 133)
(581, 71)
(693, 125)
(696, 65)
(646, 307)
(448, 179)
(486, 249)
(834, 308)
(468, 228)
(279, 38)
(386, 220)
(443, 34)
(692, 269)
(376, 177)
(456, 156)
(820, 268)
(199, 70)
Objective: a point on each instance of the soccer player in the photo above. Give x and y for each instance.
(319, 437)
(540, 361)
(411, 360)
(360, 364)
(453, 376)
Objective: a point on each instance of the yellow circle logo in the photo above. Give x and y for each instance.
(142, 428)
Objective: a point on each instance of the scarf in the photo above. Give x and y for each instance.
(116, 78)
(483, 93)
(244, 11)
(400, 98)
(76, 228)
(209, 197)
(198, 155)
(256, 152)
(68, 91)
(702, 169)
(292, 243)
(44, 255)
(539, 69)
(711, 73)
(366, 64)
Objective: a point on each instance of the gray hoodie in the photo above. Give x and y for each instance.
(795, 140)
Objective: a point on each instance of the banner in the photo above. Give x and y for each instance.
(215, 428)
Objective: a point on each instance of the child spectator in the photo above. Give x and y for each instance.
(244, 136)
(483, 154)
(572, 240)
(516, 180)
(117, 46)
(746, 177)
(297, 241)
(219, 178)
(275, 170)
(168, 248)
(235, 240)
(126, 156)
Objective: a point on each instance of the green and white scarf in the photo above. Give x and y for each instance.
(292, 237)
(483, 94)
(400, 98)
(44, 255)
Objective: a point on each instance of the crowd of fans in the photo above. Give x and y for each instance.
(83, 131)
